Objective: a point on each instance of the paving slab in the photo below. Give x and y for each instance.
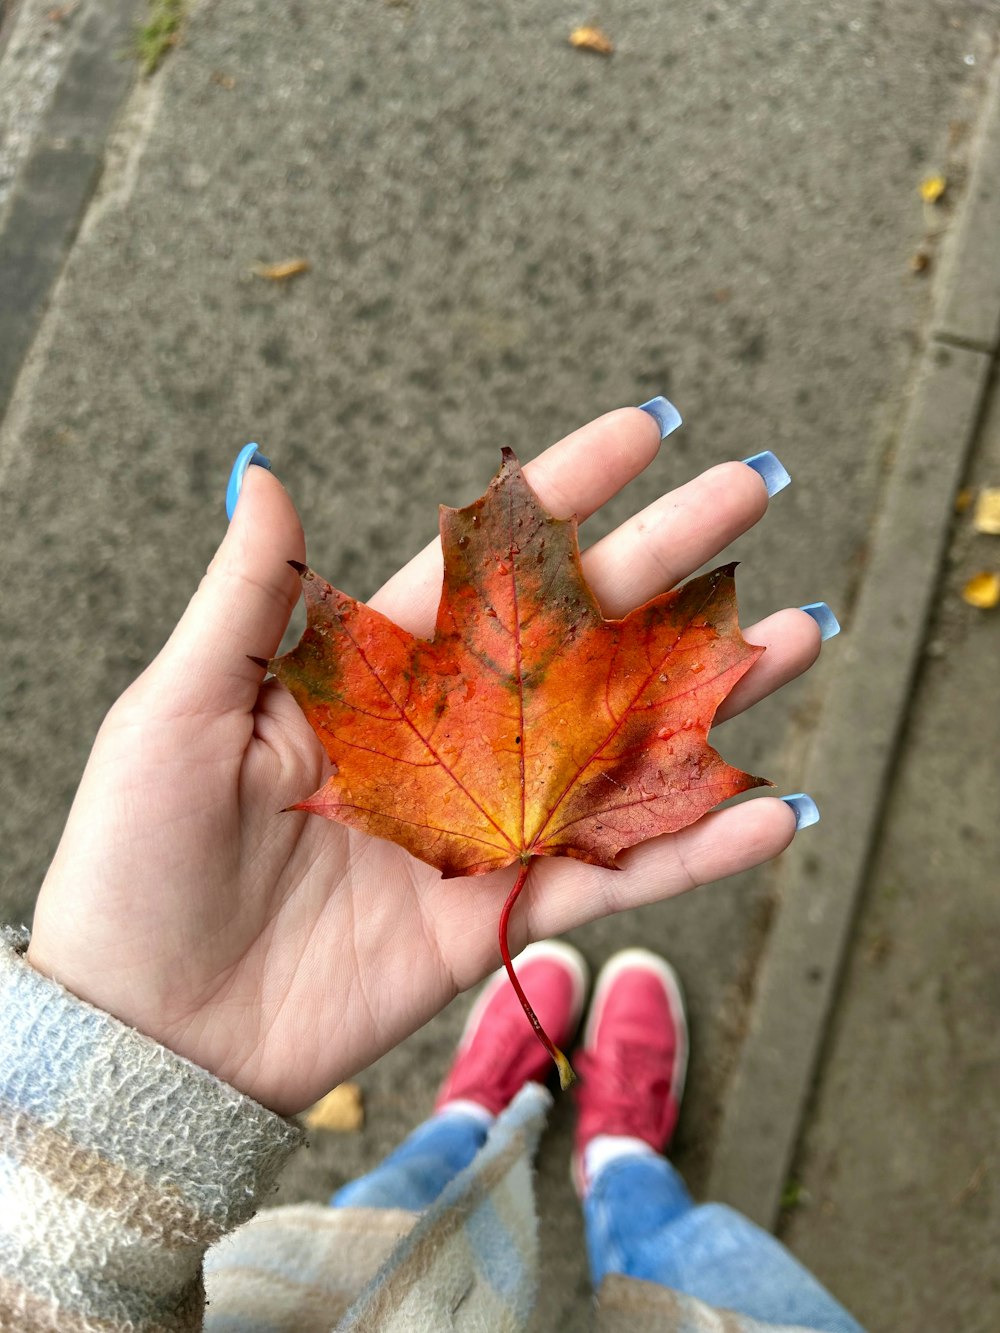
(888, 1209)
(968, 312)
(853, 750)
(506, 237)
(898, 1179)
(62, 83)
(849, 767)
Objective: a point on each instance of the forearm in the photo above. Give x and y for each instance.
(120, 1163)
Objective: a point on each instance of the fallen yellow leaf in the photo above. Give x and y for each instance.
(591, 38)
(964, 499)
(932, 188)
(341, 1111)
(986, 517)
(983, 590)
(288, 268)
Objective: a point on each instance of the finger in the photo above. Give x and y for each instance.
(575, 476)
(673, 536)
(720, 844)
(242, 606)
(792, 642)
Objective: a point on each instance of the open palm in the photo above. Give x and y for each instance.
(284, 952)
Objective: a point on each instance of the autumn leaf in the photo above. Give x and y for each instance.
(986, 518)
(592, 38)
(528, 725)
(342, 1110)
(288, 268)
(920, 260)
(932, 188)
(983, 590)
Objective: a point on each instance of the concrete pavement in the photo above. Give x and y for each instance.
(506, 237)
(897, 1178)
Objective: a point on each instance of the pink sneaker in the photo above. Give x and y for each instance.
(633, 1060)
(498, 1051)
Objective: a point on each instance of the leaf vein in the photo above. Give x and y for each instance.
(637, 695)
(419, 823)
(430, 749)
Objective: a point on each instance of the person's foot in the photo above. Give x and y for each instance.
(498, 1051)
(632, 1063)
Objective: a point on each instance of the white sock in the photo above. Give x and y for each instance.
(605, 1148)
(465, 1107)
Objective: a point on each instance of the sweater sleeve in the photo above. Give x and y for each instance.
(120, 1163)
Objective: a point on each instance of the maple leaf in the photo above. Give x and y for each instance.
(528, 725)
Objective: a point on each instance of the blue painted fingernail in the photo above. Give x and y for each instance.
(247, 455)
(663, 413)
(805, 809)
(771, 469)
(828, 623)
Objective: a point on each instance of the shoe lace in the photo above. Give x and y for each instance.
(620, 1083)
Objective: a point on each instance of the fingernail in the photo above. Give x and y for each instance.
(771, 469)
(663, 413)
(828, 623)
(805, 808)
(247, 455)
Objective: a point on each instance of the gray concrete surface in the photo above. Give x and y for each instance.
(62, 79)
(848, 771)
(34, 51)
(851, 768)
(899, 1175)
(506, 238)
(968, 311)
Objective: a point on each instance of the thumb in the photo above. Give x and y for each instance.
(242, 606)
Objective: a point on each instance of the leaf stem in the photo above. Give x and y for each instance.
(566, 1075)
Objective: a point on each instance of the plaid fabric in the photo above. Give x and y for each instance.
(469, 1262)
(121, 1164)
(628, 1305)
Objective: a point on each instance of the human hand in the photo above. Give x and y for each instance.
(281, 951)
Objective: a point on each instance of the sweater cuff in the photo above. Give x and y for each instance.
(112, 1144)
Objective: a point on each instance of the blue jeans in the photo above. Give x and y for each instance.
(640, 1221)
(415, 1174)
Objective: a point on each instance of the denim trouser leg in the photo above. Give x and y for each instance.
(415, 1174)
(642, 1222)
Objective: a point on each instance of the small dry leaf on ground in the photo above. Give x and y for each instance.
(591, 38)
(983, 590)
(288, 268)
(964, 499)
(932, 189)
(986, 517)
(920, 261)
(341, 1110)
(223, 80)
(972, 1186)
